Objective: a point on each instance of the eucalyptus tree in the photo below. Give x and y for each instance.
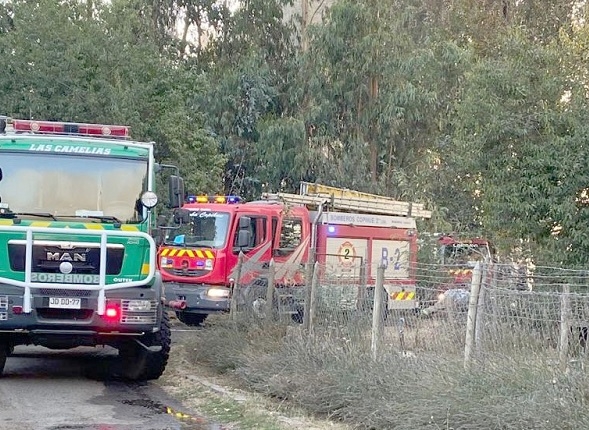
(523, 117)
(62, 64)
(378, 82)
(247, 66)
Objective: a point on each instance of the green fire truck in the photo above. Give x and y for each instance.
(77, 257)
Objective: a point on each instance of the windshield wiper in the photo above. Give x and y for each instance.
(17, 214)
(102, 218)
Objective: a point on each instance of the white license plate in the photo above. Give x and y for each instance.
(65, 302)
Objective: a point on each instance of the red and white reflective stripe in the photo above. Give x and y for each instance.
(73, 128)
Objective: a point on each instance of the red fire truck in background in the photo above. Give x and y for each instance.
(460, 257)
(198, 257)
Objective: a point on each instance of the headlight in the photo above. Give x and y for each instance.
(209, 264)
(218, 292)
(166, 262)
(149, 199)
(138, 305)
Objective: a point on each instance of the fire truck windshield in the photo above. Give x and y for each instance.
(72, 185)
(207, 229)
(464, 253)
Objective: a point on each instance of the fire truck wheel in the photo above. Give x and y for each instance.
(4, 352)
(137, 363)
(367, 305)
(299, 316)
(190, 318)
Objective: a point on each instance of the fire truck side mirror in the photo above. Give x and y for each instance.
(244, 222)
(176, 191)
(181, 216)
(244, 234)
(243, 239)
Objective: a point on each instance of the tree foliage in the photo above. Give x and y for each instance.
(476, 108)
(61, 64)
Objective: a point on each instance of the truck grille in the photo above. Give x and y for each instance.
(62, 292)
(48, 256)
(3, 305)
(188, 272)
(135, 317)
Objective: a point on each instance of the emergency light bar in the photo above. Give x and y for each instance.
(70, 128)
(213, 199)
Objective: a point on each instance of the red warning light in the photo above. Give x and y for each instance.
(79, 129)
(112, 312)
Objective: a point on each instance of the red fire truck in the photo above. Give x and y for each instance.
(460, 257)
(198, 255)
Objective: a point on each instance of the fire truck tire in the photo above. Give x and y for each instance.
(190, 318)
(4, 352)
(368, 304)
(137, 363)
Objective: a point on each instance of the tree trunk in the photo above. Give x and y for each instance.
(372, 134)
(304, 25)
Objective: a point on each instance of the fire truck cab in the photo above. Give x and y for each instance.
(199, 254)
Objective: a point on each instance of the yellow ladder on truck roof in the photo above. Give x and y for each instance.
(343, 199)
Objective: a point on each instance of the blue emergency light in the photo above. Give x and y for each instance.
(213, 199)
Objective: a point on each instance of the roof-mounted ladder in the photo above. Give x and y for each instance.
(343, 199)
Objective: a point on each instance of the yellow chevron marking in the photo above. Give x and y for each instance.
(173, 252)
(190, 253)
(181, 253)
(89, 226)
(145, 269)
(199, 253)
(94, 226)
(40, 223)
(165, 251)
(209, 254)
(403, 295)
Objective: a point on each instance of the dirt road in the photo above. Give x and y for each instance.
(58, 390)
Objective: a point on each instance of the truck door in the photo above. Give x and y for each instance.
(342, 277)
(257, 250)
(398, 279)
(289, 250)
(344, 257)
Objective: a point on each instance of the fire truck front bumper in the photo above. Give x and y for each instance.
(204, 299)
(67, 318)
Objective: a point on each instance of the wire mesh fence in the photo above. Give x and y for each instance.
(458, 340)
(514, 311)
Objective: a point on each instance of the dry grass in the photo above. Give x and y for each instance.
(418, 380)
(332, 374)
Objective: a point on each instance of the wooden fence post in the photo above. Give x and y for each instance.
(313, 305)
(493, 289)
(565, 327)
(377, 313)
(235, 288)
(478, 327)
(472, 316)
(270, 291)
(308, 286)
(363, 280)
